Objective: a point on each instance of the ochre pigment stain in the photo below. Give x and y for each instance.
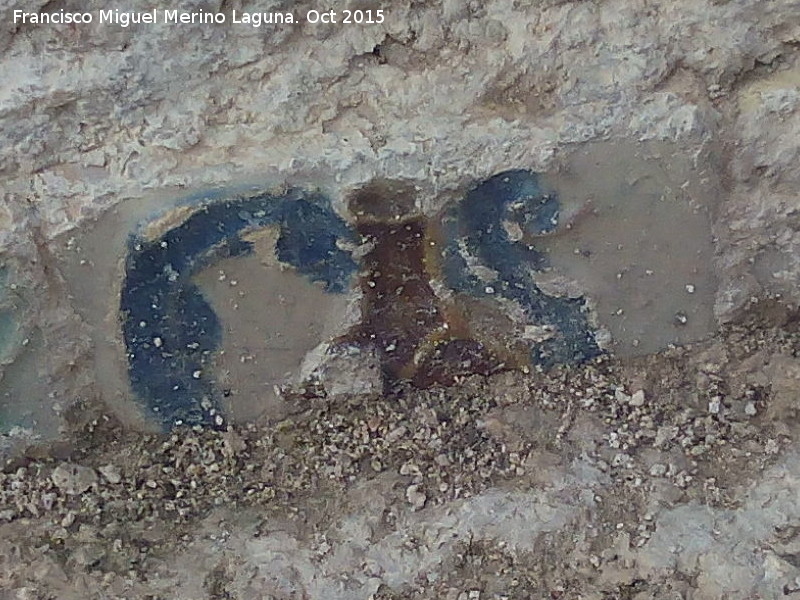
(414, 332)
(400, 309)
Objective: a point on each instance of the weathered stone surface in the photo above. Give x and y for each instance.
(687, 491)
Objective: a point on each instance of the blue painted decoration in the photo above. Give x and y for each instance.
(480, 225)
(170, 330)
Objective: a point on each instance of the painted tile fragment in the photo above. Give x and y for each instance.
(484, 251)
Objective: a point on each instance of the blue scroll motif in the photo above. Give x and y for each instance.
(170, 330)
(475, 227)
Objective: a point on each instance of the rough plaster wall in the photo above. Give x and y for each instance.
(96, 114)
(91, 116)
(735, 552)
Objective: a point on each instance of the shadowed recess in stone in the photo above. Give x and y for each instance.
(490, 251)
(169, 328)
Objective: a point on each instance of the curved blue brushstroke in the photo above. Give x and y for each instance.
(475, 226)
(160, 302)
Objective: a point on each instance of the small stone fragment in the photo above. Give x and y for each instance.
(637, 399)
(110, 473)
(48, 500)
(538, 333)
(408, 468)
(621, 396)
(232, 444)
(442, 460)
(345, 370)
(395, 434)
(750, 409)
(73, 479)
(415, 497)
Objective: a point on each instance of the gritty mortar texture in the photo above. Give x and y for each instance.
(585, 481)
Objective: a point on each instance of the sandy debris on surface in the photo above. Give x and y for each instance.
(591, 481)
